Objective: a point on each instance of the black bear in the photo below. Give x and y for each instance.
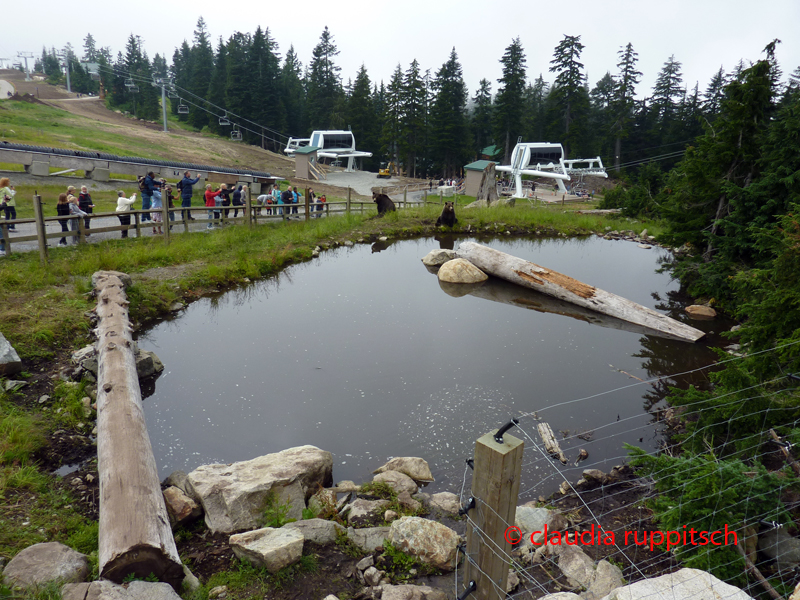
(384, 203)
(448, 216)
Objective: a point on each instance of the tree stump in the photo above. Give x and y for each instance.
(487, 192)
(135, 537)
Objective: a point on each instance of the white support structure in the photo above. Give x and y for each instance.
(543, 159)
(331, 144)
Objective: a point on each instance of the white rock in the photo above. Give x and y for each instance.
(460, 270)
(446, 502)
(372, 576)
(318, 531)
(684, 584)
(105, 590)
(268, 547)
(41, 564)
(233, 496)
(399, 482)
(368, 539)
(436, 258)
(362, 510)
(412, 592)
(180, 508)
(414, 467)
(576, 566)
(431, 542)
(699, 311)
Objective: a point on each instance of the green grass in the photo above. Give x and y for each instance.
(246, 581)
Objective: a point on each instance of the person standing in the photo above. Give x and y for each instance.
(286, 198)
(237, 201)
(7, 193)
(85, 204)
(212, 203)
(225, 194)
(148, 186)
(75, 211)
(295, 200)
(157, 215)
(185, 186)
(170, 203)
(62, 210)
(123, 211)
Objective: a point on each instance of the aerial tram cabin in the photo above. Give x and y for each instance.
(543, 159)
(334, 145)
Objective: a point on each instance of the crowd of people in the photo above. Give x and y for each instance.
(73, 205)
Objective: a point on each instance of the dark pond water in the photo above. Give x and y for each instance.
(362, 353)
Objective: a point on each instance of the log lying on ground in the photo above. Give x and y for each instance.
(135, 537)
(563, 287)
(505, 292)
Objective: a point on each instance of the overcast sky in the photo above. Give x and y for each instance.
(702, 34)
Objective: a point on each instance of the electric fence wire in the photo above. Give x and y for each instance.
(757, 439)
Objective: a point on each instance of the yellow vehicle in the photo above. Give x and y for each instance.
(386, 170)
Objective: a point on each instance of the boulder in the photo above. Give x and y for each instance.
(390, 516)
(399, 482)
(361, 511)
(531, 519)
(41, 564)
(147, 363)
(180, 480)
(123, 277)
(412, 592)
(318, 531)
(446, 502)
(414, 467)
(436, 258)
(778, 545)
(460, 270)
(105, 590)
(322, 500)
(269, 547)
(699, 311)
(368, 539)
(9, 359)
(406, 501)
(607, 577)
(234, 496)
(365, 563)
(686, 583)
(180, 508)
(431, 542)
(576, 566)
(372, 576)
(86, 359)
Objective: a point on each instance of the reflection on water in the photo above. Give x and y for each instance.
(362, 354)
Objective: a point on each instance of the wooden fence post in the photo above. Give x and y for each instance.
(186, 213)
(405, 196)
(136, 220)
(495, 487)
(40, 229)
(81, 231)
(347, 206)
(248, 207)
(165, 217)
(441, 196)
(305, 190)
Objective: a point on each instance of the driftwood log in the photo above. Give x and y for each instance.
(563, 287)
(135, 537)
(487, 191)
(550, 442)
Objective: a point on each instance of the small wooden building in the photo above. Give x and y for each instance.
(474, 172)
(305, 159)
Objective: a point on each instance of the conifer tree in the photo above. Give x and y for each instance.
(293, 94)
(510, 101)
(623, 107)
(216, 90)
(450, 132)
(482, 117)
(324, 84)
(413, 105)
(89, 48)
(534, 119)
(392, 117)
(263, 68)
(181, 72)
(362, 118)
(202, 64)
(569, 94)
(715, 92)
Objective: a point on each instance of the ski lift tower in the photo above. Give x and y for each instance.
(26, 56)
(543, 159)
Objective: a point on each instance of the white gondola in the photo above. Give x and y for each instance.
(223, 120)
(295, 143)
(236, 135)
(183, 109)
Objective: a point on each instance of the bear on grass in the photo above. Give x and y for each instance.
(448, 216)
(384, 203)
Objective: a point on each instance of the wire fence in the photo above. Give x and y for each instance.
(720, 496)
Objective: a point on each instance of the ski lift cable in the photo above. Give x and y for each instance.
(122, 73)
(240, 127)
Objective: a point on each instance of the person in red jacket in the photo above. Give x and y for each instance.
(211, 204)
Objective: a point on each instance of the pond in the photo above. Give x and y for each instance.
(362, 353)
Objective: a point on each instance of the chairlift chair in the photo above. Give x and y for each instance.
(172, 93)
(129, 82)
(223, 120)
(133, 88)
(183, 109)
(236, 135)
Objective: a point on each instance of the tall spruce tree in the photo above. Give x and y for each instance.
(482, 117)
(449, 127)
(293, 94)
(413, 98)
(362, 117)
(623, 106)
(569, 95)
(216, 90)
(509, 104)
(264, 83)
(715, 92)
(324, 84)
(202, 64)
(392, 117)
(181, 72)
(89, 48)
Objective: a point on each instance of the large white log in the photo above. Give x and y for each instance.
(135, 535)
(563, 287)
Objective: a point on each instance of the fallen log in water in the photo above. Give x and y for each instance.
(550, 443)
(505, 292)
(563, 287)
(135, 537)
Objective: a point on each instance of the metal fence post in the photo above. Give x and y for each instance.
(495, 487)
